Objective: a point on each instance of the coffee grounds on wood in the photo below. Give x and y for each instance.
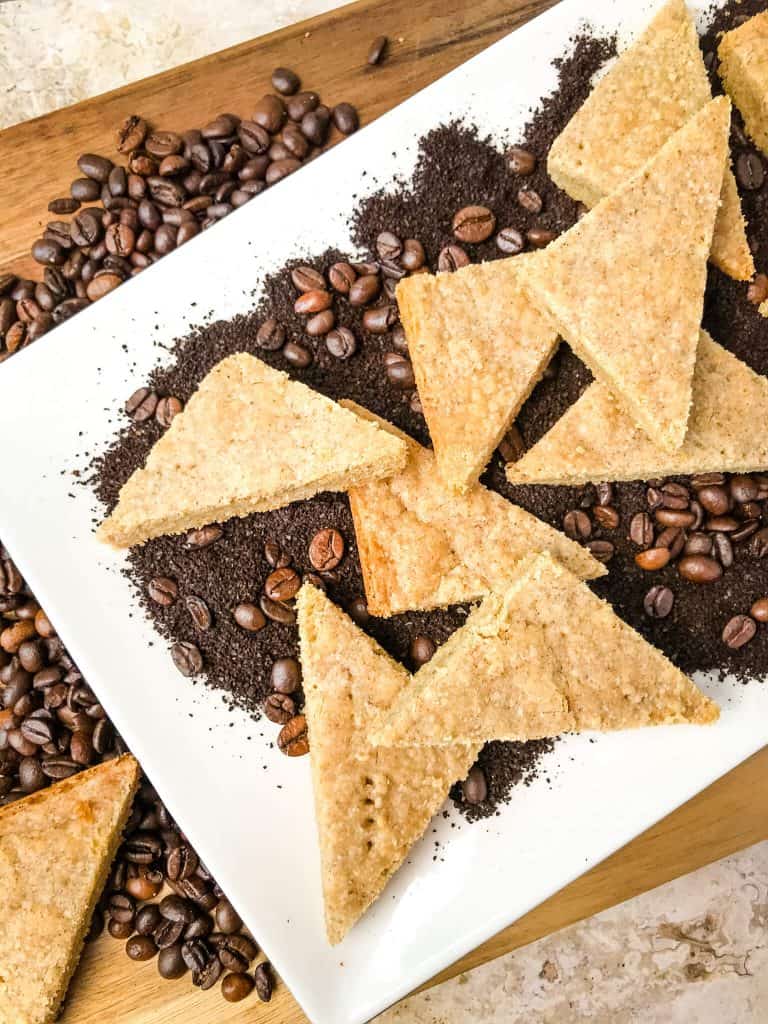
(456, 168)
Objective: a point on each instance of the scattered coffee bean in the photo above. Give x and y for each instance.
(530, 200)
(168, 408)
(285, 81)
(473, 224)
(279, 707)
(286, 675)
(606, 516)
(509, 241)
(739, 631)
(377, 50)
(281, 585)
(341, 343)
(293, 739)
(658, 602)
(170, 963)
(249, 617)
(326, 550)
(750, 171)
(521, 161)
(199, 612)
(204, 536)
(187, 658)
(699, 569)
(422, 649)
(141, 405)
(757, 292)
(235, 987)
(262, 977)
(602, 550)
(576, 525)
(653, 559)
(539, 237)
(163, 591)
(453, 257)
(345, 118)
(759, 609)
(641, 530)
(474, 789)
(140, 947)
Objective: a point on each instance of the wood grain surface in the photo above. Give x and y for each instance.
(428, 38)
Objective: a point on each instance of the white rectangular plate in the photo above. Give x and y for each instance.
(247, 809)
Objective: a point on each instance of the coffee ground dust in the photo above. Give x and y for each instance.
(456, 168)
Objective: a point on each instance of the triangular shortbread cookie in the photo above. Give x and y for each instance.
(371, 804)
(596, 441)
(650, 92)
(626, 284)
(478, 348)
(422, 546)
(56, 847)
(743, 54)
(250, 440)
(546, 656)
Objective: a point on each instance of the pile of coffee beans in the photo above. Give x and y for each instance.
(159, 896)
(170, 186)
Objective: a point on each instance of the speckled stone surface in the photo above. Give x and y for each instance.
(691, 952)
(694, 951)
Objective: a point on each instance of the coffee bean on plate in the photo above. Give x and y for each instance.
(293, 739)
(738, 631)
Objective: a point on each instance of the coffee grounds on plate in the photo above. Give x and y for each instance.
(456, 168)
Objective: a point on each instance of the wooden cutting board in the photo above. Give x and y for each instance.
(38, 160)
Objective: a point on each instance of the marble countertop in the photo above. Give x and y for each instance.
(695, 950)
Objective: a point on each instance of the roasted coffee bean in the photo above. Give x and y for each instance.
(160, 144)
(738, 631)
(196, 954)
(742, 488)
(421, 650)
(698, 544)
(388, 245)
(380, 319)
(81, 748)
(207, 976)
(722, 524)
(187, 658)
(326, 550)
(745, 531)
(279, 707)
(576, 525)
(658, 602)
(63, 206)
(750, 171)
(168, 408)
(204, 536)
(141, 405)
(653, 559)
(399, 370)
(604, 493)
(275, 555)
(181, 862)
(234, 951)
(102, 285)
(308, 280)
(297, 355)
(521, 161)
(606, 516)
(228, 921)
(31, 775)
(200, 928)
(759, 546)
(602, 550)
(714, 499)
(48, 252)
(473, 224)
(759, 610)
(262, 977)
(530, 200)
(142, 848)
(539, 237)
(364, 290)
(474, 789)
(341, 343)
(199, 612)
(512, 446)
(674, 517)
(285, 81)
(757, 292)
(235, 987)
(342, 276)
(84, 190)
(509, 241)
(292, 738)
(270, 335)
(121, 907)
(413, 256)
(120, 929)
(140, 947)
(320, 324)
(377, 50)
(641, 529)
(282, 584)
(144, 886)
(174, 908)
(699, 569)
(249, 617)
(270, 113)
(170, 963)
(131, 134)
(87, 229)
(707, 480)
(285, 676)
(452, 257)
